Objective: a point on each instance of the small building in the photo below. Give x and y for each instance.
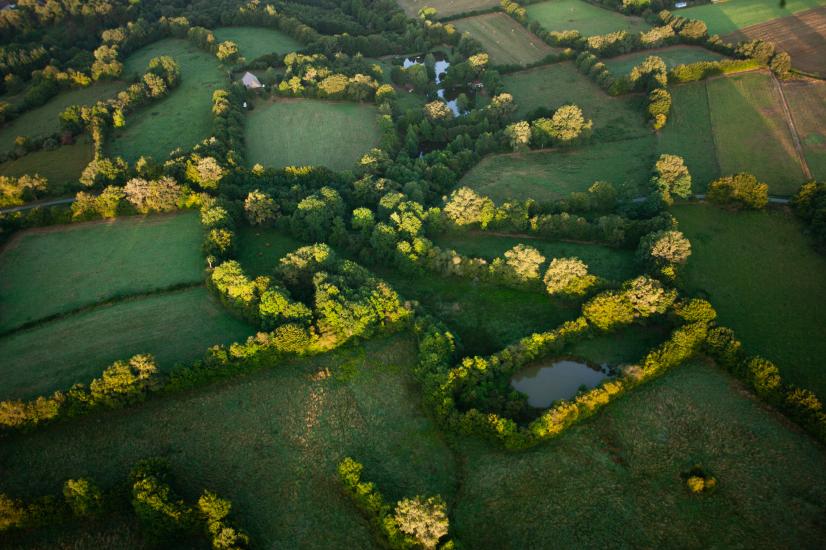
(681, 4)
(251, 82)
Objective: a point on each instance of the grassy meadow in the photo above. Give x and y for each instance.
(253, 42)
(308, 132)
(614, 480)
(57, 269)
(269, 441)
(672, 55)
(62, 166)
(766, 282)
(507, 42)
(446, 7)
(611, 263)
(555, 173)
(561, 83)
(184, 117)
(259, 249)
(565, 15)
(44, 120)
(733, 15)
(175, 327)
(807, 102)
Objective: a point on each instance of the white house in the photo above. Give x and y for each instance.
(680, 4)
(251, 81)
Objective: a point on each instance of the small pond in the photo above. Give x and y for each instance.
(561, 378)
(440, 67)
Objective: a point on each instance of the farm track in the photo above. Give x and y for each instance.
(37, 204)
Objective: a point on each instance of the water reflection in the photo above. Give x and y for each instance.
(545, 383)
(440, 68)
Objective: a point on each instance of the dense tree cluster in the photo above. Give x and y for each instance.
(738, 191)
(810, 206)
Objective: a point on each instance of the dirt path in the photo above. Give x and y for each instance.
(37, 204)
(795, 136)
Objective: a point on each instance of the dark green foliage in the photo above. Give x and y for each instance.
(810, 206)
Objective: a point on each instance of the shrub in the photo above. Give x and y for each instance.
(83, 497)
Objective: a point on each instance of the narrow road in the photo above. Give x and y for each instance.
(37, 204)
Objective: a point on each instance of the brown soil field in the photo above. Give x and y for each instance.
(803, 35)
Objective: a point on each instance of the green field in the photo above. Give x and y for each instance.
(732, 15)
(62, 166)
(58, 269)
(257, 41)
(507, 42)
(766, 282)
(175, 327)
(554, 174)
(259, 249)
(565, 15)
(307, 132)
(673, 55)
(555, 85)
(614, 480)
(44, 120)
(184, 117)
(610, 263)
(269, 442)
(807, 102)
(446, 7)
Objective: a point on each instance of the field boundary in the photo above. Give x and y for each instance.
(798, 147)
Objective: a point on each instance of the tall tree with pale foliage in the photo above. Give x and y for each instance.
(260, 208)
(568, 276)
(671, 177)
(424, 519)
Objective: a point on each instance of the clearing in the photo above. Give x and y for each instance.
(446, 8)
(257, 41)
(766, 282)
(727, 17)
(260, 248)
(807, 102)
(309, 132)
(175, 327)
(672, 55)
(54, 270)
(566, 15)
(181, 119)
(507, 42)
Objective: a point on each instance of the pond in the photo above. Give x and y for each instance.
(440, 67)
(545, 383)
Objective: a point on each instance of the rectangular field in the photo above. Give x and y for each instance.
(308, 132)
(184, 117)
(807, 102)
(446, 8)
(554, 174)
(175, 327)
(507, 42)
(672, 55)
(270, 440)
(53, 270)
(727, 17)
(257, 41)
(566, 15)
(555, 85)
(766, 282)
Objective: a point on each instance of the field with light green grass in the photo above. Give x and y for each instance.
(672, 55)
(588, 19)
(253, 42)
(507, 42)
(733, 15)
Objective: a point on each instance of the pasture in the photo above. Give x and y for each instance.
(62, 166)
(181, 119)
(566, 15)
(507, 42)
(253, 42)
(175, 327)
(44, 120)
(614, 480)
(610, 263)
(54, 270)
(766, 282)
(269, 441)
(556, 173)
(446, 8)
(561, 83)
(807, 102)
(260, 248)
(727, 17)
(307, 132)
(672, 55)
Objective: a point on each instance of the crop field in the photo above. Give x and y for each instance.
(253, 42)
(446, 8)
(610, 263)
(62, 166)
(50, 271)
(727, 17)
(267, 441)
(175, 327)
(556, 173)
(807, 102)
(766, 282)
(673, 55)
(44, 120)
(622, 468)
(305, 132)
(561, 83)
(184, 117)
(564, 15)
(507, 42)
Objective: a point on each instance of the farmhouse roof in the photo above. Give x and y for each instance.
(251, 81)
